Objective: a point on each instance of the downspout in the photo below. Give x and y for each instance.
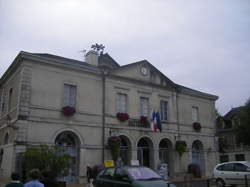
(177, 113)
(103, 113)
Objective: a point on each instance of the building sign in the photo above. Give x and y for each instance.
(108, 163)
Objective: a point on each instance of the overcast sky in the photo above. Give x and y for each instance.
(201, 44)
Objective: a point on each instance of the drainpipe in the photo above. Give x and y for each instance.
(103, 114)
(177, 113)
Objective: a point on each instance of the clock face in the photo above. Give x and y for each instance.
(144, 70)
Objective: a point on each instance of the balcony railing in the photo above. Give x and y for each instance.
(138, 123)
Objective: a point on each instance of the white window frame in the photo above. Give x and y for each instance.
(69, 95)
(195, 114)
(121, 103)
(163, 110)
(144, 106)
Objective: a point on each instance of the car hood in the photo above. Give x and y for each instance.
(154, 183)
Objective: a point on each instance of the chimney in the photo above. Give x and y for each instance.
(92, 57)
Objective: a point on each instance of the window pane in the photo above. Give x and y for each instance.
(240, 157)
(195, 114)
(144, 104)
(121, 103)
(69, 95)
(240, 167)
(163, 110)
(228, 167)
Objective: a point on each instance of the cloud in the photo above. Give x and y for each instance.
(200, 44)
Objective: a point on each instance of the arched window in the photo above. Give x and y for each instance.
(198, 155)
(125, 150)
(70, 142)
(145, 152)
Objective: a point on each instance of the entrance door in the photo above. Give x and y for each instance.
(198, 155)
(144, 152)
(69, 141)
(125, 150)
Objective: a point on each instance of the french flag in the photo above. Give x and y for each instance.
(154, 122)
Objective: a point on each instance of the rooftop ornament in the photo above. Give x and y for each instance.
(98, 47)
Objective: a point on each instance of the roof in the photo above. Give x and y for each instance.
(151, 66)
(233, 112)
(62, 60)
(104, 58)
(186, 90)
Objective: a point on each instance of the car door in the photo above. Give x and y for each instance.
(227, 173)
(240, 170)
(106, 179)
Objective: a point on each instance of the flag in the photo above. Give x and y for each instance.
(158, 121)
(154, 122)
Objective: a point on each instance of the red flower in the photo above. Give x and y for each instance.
(122, 116)
(68, 110)
(144, 121)
(113, 140)
(197, 126)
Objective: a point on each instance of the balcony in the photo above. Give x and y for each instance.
(138, 123)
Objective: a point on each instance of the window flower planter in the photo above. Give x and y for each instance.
(180, 147)
(68, 110)
(114, 143)
(197, 126)
(122, 116)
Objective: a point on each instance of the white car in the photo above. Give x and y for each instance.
(229, 173)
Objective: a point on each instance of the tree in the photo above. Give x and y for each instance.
(47, 158)
(243, 128)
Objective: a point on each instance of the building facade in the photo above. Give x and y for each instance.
(230, 149)
(48, 99)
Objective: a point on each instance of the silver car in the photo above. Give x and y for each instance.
(229, 173)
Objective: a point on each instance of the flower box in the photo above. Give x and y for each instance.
(197, 126)
(122, 116)
(144, 121)
(68, 110)
(114, 143)
(180, 147)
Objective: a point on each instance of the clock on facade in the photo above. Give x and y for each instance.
(144, 70)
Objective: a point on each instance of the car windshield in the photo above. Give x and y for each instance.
(248, 164)
(143, 174)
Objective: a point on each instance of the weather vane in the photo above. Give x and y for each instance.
(98, 47)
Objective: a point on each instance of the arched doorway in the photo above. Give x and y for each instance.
(145, 152)
(198, 155)
(125, 150)
(165, 153)
(70, 142)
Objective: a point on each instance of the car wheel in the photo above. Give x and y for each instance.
(220, 183)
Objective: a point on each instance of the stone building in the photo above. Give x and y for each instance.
(48, 99)
(230, 149)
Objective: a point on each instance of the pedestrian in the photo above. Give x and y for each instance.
(90, 177)
(48, 179)
(34, 175)
(15, 181)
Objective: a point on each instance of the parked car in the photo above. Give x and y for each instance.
(229, 173)
(130, 176)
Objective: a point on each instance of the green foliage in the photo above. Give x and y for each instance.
(180, 147)
(46, 158)
(243, 128)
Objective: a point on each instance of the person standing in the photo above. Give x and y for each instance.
(49, 179)
(15, 181)
(34, 175)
